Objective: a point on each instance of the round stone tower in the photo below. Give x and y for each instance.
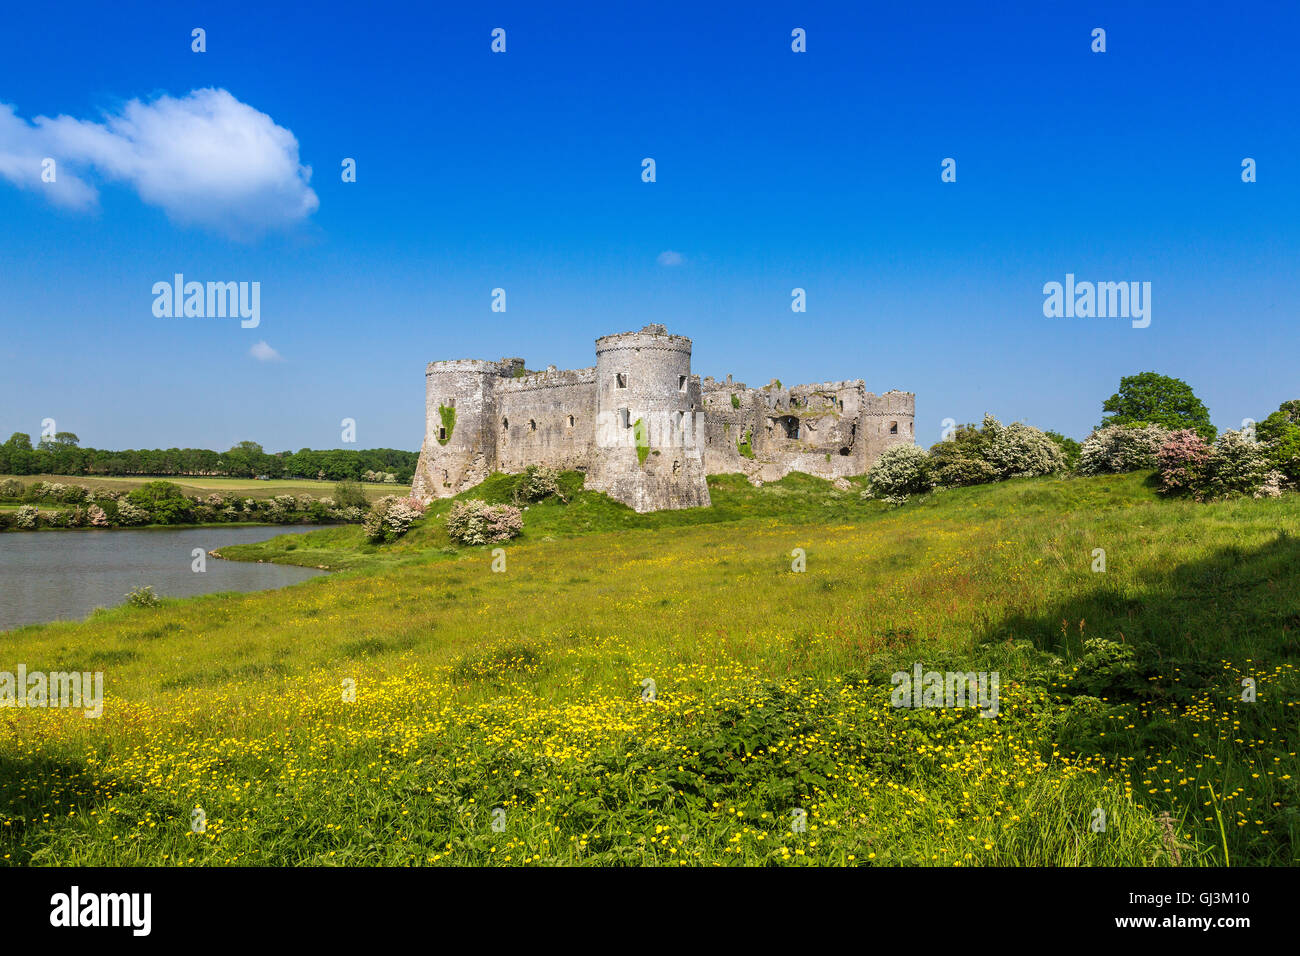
(459, 447)
(647, 454)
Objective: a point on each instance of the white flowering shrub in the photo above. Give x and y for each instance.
(1272, 486)
(477, 522)
(130, 514)
(900, 471)
(1019, 450)
(390, 517)
(1238, 465)
(537, 483)
(25, 517)
(1119, 448)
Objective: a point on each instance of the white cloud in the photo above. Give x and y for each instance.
(264, 353)
(206, 159)
(670, 258)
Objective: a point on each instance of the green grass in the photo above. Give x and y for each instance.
(523, 690)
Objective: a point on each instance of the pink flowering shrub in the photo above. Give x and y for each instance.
(1182, 461)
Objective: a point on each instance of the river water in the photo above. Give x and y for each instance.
(62, 575)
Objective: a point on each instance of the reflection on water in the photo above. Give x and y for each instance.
(60, 575)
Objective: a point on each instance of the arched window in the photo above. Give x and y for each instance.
(893, 428)
(505, 424)
(532, 425)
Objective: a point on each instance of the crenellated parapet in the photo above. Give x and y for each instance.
(644, 428)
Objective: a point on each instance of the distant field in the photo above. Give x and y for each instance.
(249, 487)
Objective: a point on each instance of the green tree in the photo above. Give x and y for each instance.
(1070, 448)
(16, 456)
(1280, 422)
(348, 494)
(165, 502)
(1152, 399)
(1281, 433)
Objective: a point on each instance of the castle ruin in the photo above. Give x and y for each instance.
(643, 429)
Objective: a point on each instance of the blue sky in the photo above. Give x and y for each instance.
(522, 170)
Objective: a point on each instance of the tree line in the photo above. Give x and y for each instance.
(62, 455)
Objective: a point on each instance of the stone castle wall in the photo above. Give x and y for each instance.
(641, 392)
(547, 418)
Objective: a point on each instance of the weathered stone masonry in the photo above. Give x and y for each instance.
(642, 427)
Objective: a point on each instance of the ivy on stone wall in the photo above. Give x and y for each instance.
(642, 441)
(744, 447)
(448, 416)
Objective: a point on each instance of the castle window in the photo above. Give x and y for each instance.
(450, 402)
(624, 419)
(681, 383)
(681, 421)
(505, 424)
(570, 421)
(893, 428)
(442, 433)
(532, 425)
(620, 380)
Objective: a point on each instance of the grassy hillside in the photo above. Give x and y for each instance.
(525, 691)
